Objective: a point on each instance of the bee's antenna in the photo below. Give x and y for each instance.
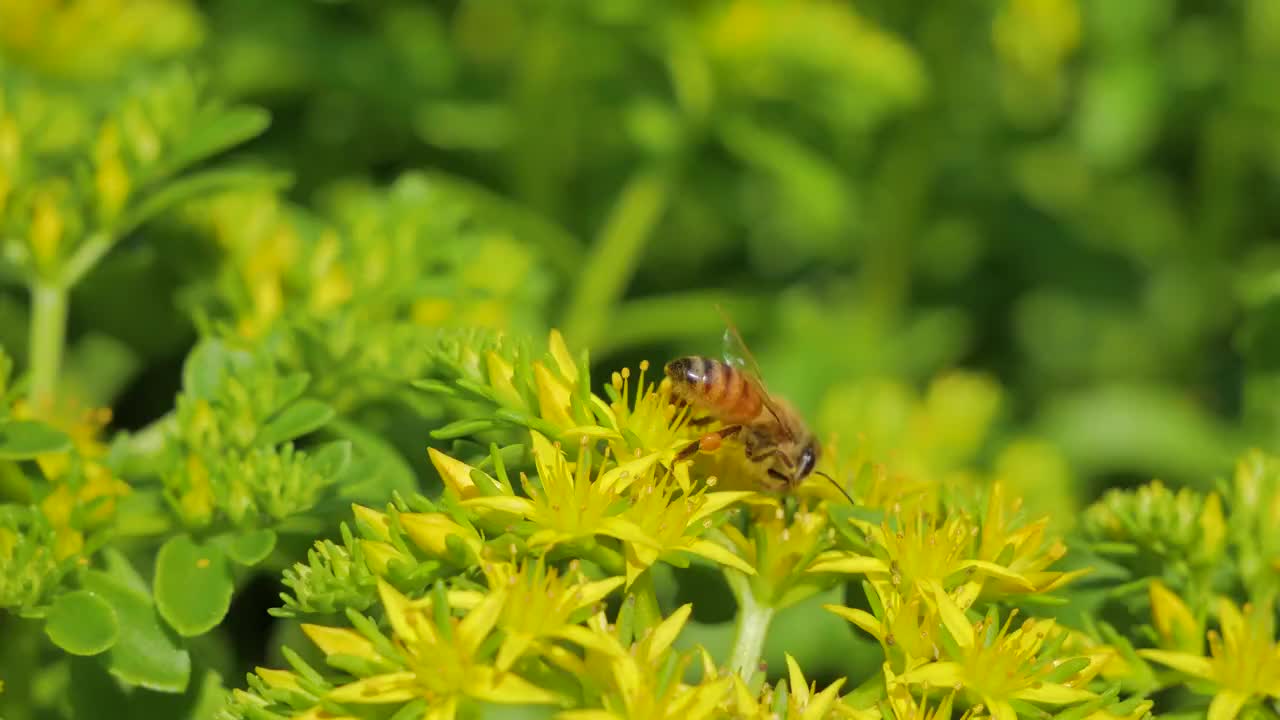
(837, 486)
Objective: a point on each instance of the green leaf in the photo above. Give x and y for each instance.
(193, 186)
(291, 387)
(147, 653)
(82, 623)
(384, 469)
(216, 129)
(193, 585)
(26, 439)
(462, 428)
(300, 418)
(248, 548)
(204, 369)
(331, 459)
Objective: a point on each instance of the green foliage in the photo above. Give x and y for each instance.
(315, 319)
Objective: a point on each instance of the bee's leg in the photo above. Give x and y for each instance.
(709, 442)
(700, 421)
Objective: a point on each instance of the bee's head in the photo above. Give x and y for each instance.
(808, 459)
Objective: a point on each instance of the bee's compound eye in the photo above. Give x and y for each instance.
(808, 458)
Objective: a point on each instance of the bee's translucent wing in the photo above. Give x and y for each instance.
(737, 354)
(730, 351)
(735, 350)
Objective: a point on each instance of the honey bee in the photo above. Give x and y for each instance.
(774, 437)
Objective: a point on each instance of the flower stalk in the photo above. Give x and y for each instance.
(48, 335)
(639, 208)
(751, 626)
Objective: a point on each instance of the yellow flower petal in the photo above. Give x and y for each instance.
(280, 679)
(636, 565)
(548, 538)
(618, 478)
(478, 623)
(1000, 709)
(1213, 527)
(445, 710)
(502, 503)
(590, 640)
(379, 554)
(1226, 705)
(719, 554)
(397, 608)
(1173, 619)
(714, 502)
(553, 397)
(593, 592)
(952, 615)
(501, 375)
(1184, 662)
(1231, 620)
(593, 432)
(840, 562)
(820, 704)
(1050, 581)
(339, 641)
(587, 715)
(560, 353)
(389, 688)
(372, 518)
(455, 473)
(666, 631)
(863, 619)
(934, 674)
(513, 646)
(999, 572)
(703, 701)
(742, 696)
(1054, 694)
(625, 530)
(430, 531)
(799, 688)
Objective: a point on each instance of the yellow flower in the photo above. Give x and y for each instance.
(642, 683)
(1178, 628)
(779, 551)
(804, 702)
(541, 606)
(442, 665)
(1243, 663)
(905, 706)
(675, 523)
(646, 419)
(567, 504)
(907, 632)
(85, 492)
(1023, 551)
(920, 552)
(997, 667)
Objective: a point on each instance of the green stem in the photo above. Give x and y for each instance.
(752, 627)
(48, 335)
(609, 266)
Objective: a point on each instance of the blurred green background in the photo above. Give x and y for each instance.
(1075, 202)
(1077, 197)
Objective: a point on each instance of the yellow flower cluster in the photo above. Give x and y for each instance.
(83, 489)
(524, 565)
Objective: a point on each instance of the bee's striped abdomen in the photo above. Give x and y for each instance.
(717, 387)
